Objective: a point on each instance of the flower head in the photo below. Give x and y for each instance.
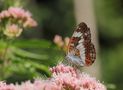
(60, 68)
(4, 86)
(30, 23)
(12, 31)
(16, 19)
(70, 79)
(63, 78)
(16, 12)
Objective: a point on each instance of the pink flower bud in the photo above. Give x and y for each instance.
(58, 40)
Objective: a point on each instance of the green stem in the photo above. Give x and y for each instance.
(5, 51)
(5, 60)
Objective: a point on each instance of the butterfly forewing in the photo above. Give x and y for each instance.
(81, 51)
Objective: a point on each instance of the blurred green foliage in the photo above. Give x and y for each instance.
(30, 56)
(112, 66)
(110, 19)
(22, 62)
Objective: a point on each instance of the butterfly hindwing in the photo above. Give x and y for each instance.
(90, 54)
(81, 51)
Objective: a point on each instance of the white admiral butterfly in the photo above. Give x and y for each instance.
(81, 51)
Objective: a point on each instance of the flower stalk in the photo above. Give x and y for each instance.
(5, 59)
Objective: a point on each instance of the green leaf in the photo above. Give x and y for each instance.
(27, 54)
(40, 67)
(33, 43)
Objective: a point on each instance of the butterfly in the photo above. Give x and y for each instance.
(80, 50)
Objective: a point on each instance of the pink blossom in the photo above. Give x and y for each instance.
(64, 75)
(63, 78)
(12, 31)
(16, 19)
(39, 84)
(4, 86)
(4, 14)
(58, 40)
(51, 86)
(67, 39)
(30, 23)
(63, 69)
(90, 83)
(18, 14)
(63, 44)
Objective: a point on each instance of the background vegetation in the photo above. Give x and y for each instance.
(109, 20)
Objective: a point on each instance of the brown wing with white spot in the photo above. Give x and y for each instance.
(90, 54)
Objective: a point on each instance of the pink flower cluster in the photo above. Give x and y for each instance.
(63, 78)
(15, 20)
(19, 15)
(68, 78)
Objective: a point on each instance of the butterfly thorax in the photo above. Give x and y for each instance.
(74, 60)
